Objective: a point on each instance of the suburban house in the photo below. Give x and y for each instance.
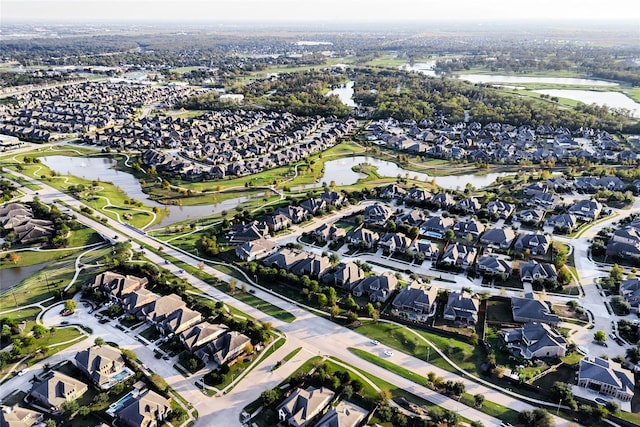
(462, 307)
(586, 210)
(630, 291)
(436, 226)
(379, 287)
(393, 191)
(413, 218)
(240, 233)
(498, 238)
(418, 195)
(200, 334)
(493, 265)
(104, 365)
(345, 414)
(531, 271)
(303, 405)
(531, 309)
(328, 233)
(180, 320)
(56, 389)
(344, 275)
(19, 218)
(459, 255)
(278, 222)
(531, 216)
(162, 307)
(255, 249)
(135, 302)
(427, 248)
(295, 213)
(537, 243)
(606, 377)
(416, 302)
(362, 237)
(443, 200)
(312, 265)
(116, 285)
(563, 221)
(377, 214)
(284, 258)
(394, 242)
(333, 198)
(314, 205)
(469, 205)
(471, 227)
(502, 209)
(17, 416)
(225, 348)
(146, 410)
(535, 340)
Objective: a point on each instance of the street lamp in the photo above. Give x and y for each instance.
(559, 403)
(428, 351)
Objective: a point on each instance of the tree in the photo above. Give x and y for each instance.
(347, 391)
(600, 336)
(99, 341)
(536, 418)
(478, 400)
(322, 300)
(449, 235)
(332, 296)
(14, 258)
(38, 331)
(270, 396)
(130, 355)
(476, 424)
(70, 305)
(70, 407)
(232, 285)
(473, 339)
(384, 396)
(564, 276)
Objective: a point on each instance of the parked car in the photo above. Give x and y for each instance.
(22, 372)
(64, 322)
(388, 353)
(374, 342)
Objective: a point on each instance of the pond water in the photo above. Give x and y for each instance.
(610, 99)
(345, 94)
(10, 277)
(101, 168)
(425, 68)
(341, 172)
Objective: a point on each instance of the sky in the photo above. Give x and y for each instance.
(82, 11)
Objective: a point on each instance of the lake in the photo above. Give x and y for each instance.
(345, 94)
(495, 78)
(426, 68)
(101, 168)
(341, 172)
(610, 99)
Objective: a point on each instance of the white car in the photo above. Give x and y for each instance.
(388, 353)
(374, 342)
(24, 371)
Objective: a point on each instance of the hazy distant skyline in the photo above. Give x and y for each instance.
(79, 11)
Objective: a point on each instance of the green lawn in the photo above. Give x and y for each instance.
(462, 353)
(82, 237)
(292, 354)
(489, 408)
(55, 276)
